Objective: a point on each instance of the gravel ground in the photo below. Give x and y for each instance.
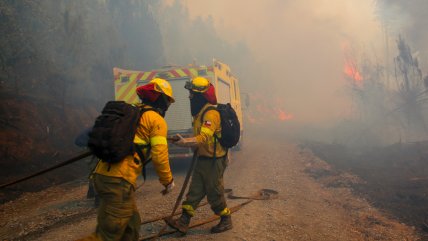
(305, 209)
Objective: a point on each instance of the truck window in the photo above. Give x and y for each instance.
(202, 72)
(124, 78)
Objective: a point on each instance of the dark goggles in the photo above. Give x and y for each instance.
(190, 86)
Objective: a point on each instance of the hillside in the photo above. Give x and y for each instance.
(36, 133)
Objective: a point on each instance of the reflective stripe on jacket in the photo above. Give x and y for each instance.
(152, 130)
(204, 132)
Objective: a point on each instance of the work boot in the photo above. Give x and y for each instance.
(224, 224)
(180, 224)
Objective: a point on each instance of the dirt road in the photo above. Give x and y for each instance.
(306, 208)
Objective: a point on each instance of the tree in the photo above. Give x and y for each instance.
(410, 96)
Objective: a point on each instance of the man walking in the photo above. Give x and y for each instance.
(207, 179)
(115, 183)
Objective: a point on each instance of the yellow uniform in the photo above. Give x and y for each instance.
(152, 130)
(207, 179)
(204, 131)
(118, 217)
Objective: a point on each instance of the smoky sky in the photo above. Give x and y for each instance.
(299, 47)
(407, 18)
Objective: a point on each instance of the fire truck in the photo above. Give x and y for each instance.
(178, 116)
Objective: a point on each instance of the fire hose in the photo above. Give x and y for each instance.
(183, 188)
(69, 161)
(262, 194)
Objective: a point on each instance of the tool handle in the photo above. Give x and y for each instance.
(172, 138)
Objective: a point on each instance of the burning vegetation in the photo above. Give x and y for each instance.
(264, 110)
(56, 73)
(390, 106)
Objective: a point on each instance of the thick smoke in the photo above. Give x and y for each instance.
(297, 48)
(327, 63)
(407, 18)
(57, 59)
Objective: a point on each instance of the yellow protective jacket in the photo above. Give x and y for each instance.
(152, 130)
(204, 132)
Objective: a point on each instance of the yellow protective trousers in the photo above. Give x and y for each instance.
(207, 180)
(118, 217)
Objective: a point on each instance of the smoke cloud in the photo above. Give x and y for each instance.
(407, 18)
(297, 48)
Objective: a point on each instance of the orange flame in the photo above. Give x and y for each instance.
(282, 116)
(351, 71)
(350, 68)
(267, 110)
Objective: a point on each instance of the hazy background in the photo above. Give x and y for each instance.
(300, 45)
(302, 52)
(345, 79)
(325, 69)
(297, 45)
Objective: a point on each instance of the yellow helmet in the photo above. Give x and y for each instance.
(163, 86)
(198, 84)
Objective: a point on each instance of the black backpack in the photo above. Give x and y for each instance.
(230, 126)
(112, 136)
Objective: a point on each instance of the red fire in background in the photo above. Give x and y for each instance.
(282, 116)
(351, 71)
(266, 110)
(350, 68)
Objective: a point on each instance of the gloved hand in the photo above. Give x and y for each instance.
(168, 188)
(185, 142)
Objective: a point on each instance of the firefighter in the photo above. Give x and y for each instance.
(207, 179)
(118, 217)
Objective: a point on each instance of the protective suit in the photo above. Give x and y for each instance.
(118, 216)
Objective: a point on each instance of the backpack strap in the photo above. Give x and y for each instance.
(139, 148)
(144, 162)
